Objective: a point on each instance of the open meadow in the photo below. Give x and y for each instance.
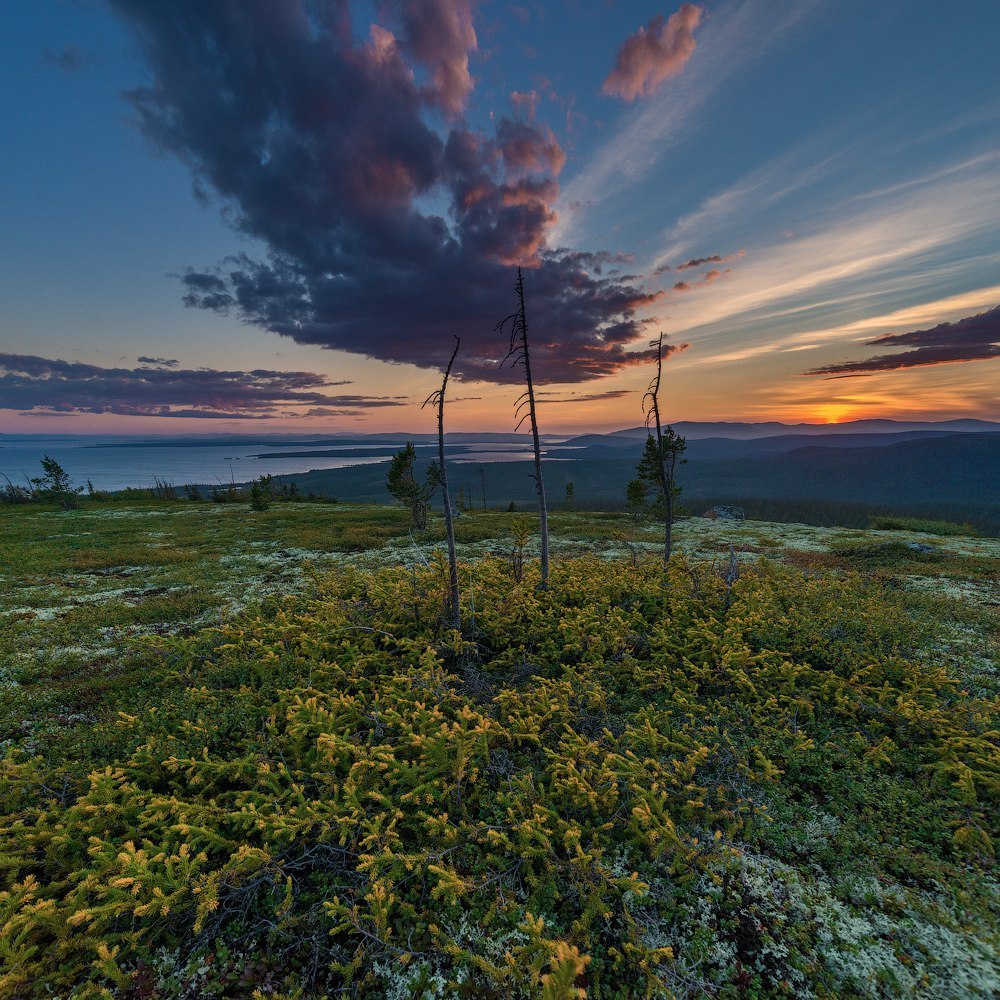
(243, 753)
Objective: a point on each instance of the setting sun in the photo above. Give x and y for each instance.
(833, 413)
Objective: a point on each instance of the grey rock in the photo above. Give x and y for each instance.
(723, 513)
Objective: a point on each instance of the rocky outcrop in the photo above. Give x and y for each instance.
(720, 512)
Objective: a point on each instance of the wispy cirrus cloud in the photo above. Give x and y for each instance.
(975, 338)
(656, 52)
(856, 331)
(51, 386)
(328, 149)
(634, 148)
(861, 261)
(588, 397)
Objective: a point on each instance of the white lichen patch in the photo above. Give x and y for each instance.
(86, 654)
(40, 614)
(693, 533)
(124, 513)
(869, 937)
(977, 593)
(126, 595)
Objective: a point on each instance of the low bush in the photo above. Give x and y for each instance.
(926, 525)
(873, 555)
(634, 784)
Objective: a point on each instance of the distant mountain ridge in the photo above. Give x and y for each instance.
(693, 429)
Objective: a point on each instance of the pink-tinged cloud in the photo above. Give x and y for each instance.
(439, 34)
(653, 54)
(382, 44)
(975, 338)
(706, 279)
(715, 258)
(530, 191)
(525, 101)
(529, 148)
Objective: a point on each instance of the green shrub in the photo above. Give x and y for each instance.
(631, 785)
(926, 525)
(260, 494)
(872, 555)
(55, 486)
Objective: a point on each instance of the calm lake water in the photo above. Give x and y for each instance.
(114, 468)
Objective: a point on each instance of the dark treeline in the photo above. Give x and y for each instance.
(602, 486)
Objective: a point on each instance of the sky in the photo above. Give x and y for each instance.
(218, 217)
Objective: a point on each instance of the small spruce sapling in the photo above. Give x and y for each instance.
(637, 499)
(260, 494)
(55, 485)
(401, 482)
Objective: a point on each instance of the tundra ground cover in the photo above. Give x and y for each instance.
(634, 785)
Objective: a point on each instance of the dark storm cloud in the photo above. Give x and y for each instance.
(161, 362)
(52, 386)
(322, 147)
(975, 338)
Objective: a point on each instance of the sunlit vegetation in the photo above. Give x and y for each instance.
(244, 751)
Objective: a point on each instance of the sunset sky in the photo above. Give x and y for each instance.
(252, 214)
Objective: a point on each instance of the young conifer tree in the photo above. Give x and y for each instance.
(524, 409)
(402, 483)
(437, 399)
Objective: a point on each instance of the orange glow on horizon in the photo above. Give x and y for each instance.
(834, 413)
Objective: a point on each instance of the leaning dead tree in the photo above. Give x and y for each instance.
(436, 398)
(524, 408)
(663, 451)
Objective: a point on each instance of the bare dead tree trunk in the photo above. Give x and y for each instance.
(449, 522)
(524, 409)
(668, 541)
(666, 482)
